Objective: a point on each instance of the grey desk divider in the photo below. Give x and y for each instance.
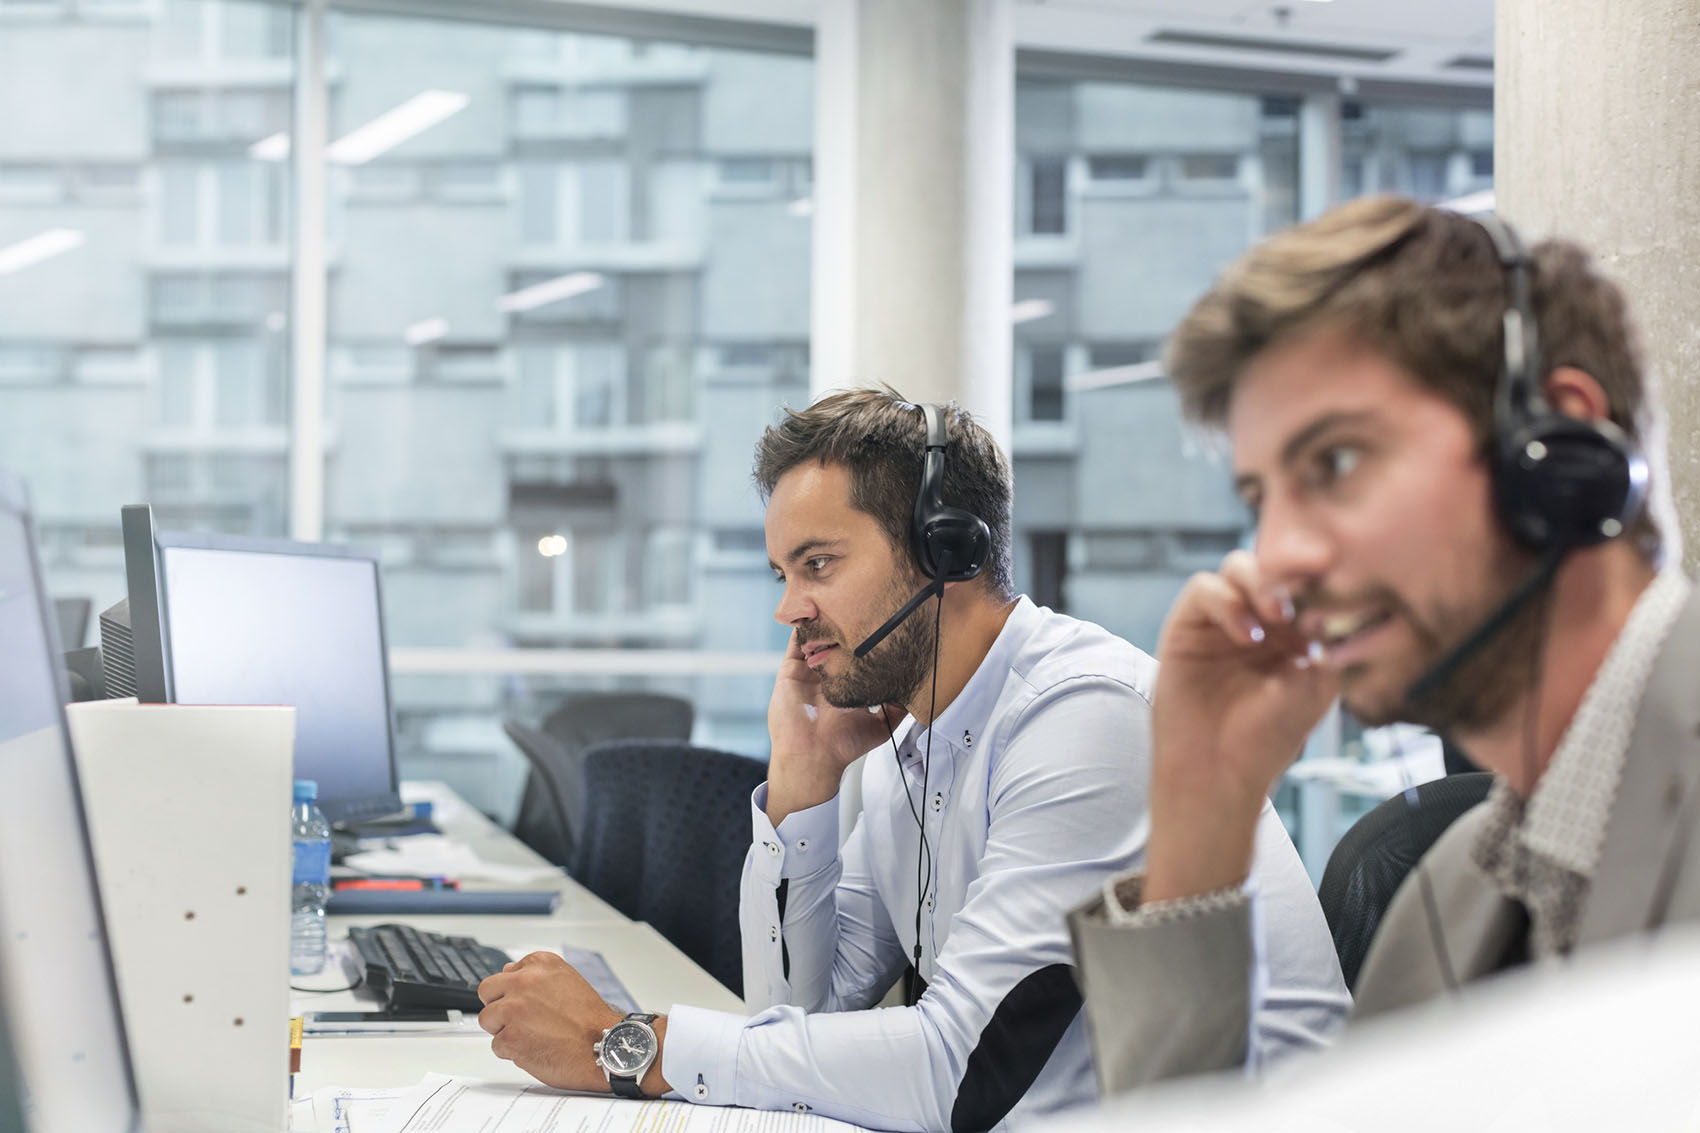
(188, 815)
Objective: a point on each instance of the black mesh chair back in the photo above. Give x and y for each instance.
(551, 809)
(666, 830)
(1371, 861)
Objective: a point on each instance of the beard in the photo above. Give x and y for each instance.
(1487, 684)
(893, 670)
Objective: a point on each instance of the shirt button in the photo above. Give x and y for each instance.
(929, 904)
(967, 739)
(701, 1091)
(800, 1107)
(772, 849)
(772, 933)
(802, 843)
(938, 802)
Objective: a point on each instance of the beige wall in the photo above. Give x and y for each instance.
(1597, 138)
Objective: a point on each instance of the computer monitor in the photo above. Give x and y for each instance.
(219, 619)
(68, 1069)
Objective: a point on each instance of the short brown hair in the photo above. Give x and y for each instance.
(1425, 288)
(881, 438)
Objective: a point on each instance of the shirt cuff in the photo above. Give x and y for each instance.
(1124, 904)
(700, 1056)
(806, 842)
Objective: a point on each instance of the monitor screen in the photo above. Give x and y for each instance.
(269, 622)
(56, 980)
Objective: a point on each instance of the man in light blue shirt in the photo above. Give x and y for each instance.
(976, 835)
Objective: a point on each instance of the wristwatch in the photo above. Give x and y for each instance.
(626, 1051)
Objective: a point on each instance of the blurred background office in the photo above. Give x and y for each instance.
(508, 290)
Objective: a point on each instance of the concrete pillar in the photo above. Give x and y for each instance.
(1319, 155)
(914, 204)
(1597, 138)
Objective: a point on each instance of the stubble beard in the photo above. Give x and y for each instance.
(893, 670)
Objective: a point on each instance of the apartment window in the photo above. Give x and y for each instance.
(1118, 168)
(586, 202)
(1481, 164)
(227, 204)
(1048, 554)
(569, 388)
(209, 386)
(1045, 383)
(667, 568)
(555, 113)
(31, 184)
(1209, 166)
(1048, 208)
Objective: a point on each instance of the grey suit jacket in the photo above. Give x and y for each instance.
(1178, 998)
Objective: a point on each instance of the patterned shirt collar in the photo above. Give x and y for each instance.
(1544, 854)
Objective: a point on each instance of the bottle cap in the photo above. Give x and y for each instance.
(306, 789)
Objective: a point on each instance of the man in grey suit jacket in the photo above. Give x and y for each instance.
(1356, 363)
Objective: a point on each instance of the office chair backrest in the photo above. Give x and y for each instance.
(551, 811)
(1371, 861)
(666, 831)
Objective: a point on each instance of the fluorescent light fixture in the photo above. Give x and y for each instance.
(802, 206)
(1481, 201)
(1029, 309)
(1116, 376)
(274, 148)
(549, 291)
(394, 127)
(427, 330)
(552, 546)
(26, 253)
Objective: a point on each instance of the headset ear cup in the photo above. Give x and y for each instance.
(1567, 480)
(954, 545)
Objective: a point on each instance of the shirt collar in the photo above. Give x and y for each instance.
(1571, 803)
(960, 726)
(1565, 818)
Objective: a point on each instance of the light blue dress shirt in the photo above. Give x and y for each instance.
(1035, 795)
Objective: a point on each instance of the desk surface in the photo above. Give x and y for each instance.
(656, 973)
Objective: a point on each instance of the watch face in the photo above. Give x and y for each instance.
(628, 1047)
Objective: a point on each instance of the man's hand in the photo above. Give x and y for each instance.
(1236, 696)
(546, 1018)
(813, 742)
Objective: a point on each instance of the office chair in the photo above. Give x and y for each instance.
(1371, 861)
(551, 809)
(666, 830)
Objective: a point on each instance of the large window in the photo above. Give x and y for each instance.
(1129, 198)
(144, 271)
(563, 301)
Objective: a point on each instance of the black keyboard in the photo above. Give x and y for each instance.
(410, 969)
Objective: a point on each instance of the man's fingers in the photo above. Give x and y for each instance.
(492, 988)
(1272, 604)
(493, 1018)
(1214, 600)
(793, 648)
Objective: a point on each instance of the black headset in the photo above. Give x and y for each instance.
(1560, 482)
(951, 543)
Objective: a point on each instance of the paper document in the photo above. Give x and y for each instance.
(434, 855)
(447, 1104)
(335, 1109)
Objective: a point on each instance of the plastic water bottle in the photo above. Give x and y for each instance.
(312, 837)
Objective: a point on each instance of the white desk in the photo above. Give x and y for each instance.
(656, 973)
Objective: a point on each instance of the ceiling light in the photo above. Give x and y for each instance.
(1116, 376)
(552, 546)
(1480, 201)
(549, 291)
(1029, 309)
(274, 148)
(427, 330)
(394, 127)
(45, 246)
